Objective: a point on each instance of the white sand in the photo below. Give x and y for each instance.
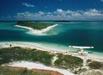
(37, 32)
(54, 59)
(31, 65)
(30, 45)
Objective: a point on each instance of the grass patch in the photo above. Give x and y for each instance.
(18, 54)
(95, 65)
(34, 25)
(68, 61)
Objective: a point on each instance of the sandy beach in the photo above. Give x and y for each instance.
(49, 49)
(28, 45)
(35, 31)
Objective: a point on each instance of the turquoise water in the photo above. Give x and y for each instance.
(65, 34)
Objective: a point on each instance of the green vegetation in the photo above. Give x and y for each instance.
(11, 54)
(17, 54)
(68, 61)
(95, 65)
(8, 71)
(34, 25)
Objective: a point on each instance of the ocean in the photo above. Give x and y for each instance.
(61, 36)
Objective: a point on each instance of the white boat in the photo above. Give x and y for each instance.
(81, 47)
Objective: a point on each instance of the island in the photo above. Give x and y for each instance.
(38, 28)
(34, 25)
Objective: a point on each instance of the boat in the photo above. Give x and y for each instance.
(81, 49)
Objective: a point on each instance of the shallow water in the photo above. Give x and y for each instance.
(66, 33)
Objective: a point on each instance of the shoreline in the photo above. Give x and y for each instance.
(49, 49)
(36, 31)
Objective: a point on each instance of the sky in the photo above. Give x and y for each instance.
(51, 10)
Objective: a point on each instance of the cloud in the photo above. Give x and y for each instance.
(28, 5)
(60, 14)
(93, 12)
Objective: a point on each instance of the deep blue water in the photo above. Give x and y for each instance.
(67, 33)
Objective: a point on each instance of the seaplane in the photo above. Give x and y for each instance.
(81, 49)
